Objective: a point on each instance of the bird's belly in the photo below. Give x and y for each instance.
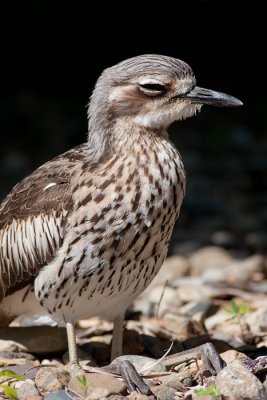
(112, 273)
(114, 246)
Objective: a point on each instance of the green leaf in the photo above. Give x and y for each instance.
(228, 310)
(211, 389)
(83, 380)
(234, 306)
(9, 392)
(11, 374)
(243, 308)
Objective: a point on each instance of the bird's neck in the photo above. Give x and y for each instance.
(120, 136)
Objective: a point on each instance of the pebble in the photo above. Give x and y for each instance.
(248, 269)
(209, 257)
(58, 395)
(257, 321)
(176, 380)
(231, 355)
(173, 267)
(26, 389)
(11, 345)
(180, 326)
(198, 310)
(49, 379)
(98, 385)
(164, 392)
(36, 339)
(237, 380)
(166, 298)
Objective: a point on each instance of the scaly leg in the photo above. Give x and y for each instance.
(75, 367)
(116, 348)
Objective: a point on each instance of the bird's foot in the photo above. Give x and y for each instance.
(211, 358)
(206, 352)
(76, 369)
(128, 372)
(132, 378)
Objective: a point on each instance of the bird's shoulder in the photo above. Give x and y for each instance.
(33, 218)
(47, 189)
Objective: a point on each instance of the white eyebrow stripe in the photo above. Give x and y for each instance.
(149, 81)
(49, 185)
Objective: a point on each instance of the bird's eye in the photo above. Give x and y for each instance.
(152, 89)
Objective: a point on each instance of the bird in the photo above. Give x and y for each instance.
(87, 231)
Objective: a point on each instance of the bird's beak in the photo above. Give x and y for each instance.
(200, 95)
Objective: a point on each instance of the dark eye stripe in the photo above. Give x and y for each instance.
(153, 86)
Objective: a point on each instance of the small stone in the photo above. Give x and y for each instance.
(49, 379)
(198, 310)
(105, 384)
(249, 269)
(181, 326)
(138, 396)
(173, 267)
(231, 355)
(57, 395)
(209, 257)
(257, 320)
(237, 380)
(176, 380)
(166, 296)
(163, 392)
(25, 389)
(36, 339)
(11, 346)
(98, 393)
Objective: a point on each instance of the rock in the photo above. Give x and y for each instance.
(58, 395)
(163, 392)
(97, 385)
(11, 346)
(173, 267)
(210, 257)
(49, 379)
(237, 380)
(176, 380)
(167, 297)
(181, 326)
(249, 269)
(231, 355)
(26, 389)
(198, 310)
(193, 289)
(257, 321)
(136, 396)
(220, 322)
(36, 339)
(25, 370)
(98, 393)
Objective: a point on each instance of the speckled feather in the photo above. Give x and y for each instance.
(90, 229)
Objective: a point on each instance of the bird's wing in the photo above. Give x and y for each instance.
(32, 221)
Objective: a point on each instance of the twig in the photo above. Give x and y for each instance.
(161, 297)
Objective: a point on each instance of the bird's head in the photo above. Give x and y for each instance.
(153, 91)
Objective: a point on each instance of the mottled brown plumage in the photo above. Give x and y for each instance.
(89, 230)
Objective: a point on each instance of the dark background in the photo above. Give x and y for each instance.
(53, 52)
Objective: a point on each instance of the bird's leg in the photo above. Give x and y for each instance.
(75, 367)
(125, 368)
(116, 347)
